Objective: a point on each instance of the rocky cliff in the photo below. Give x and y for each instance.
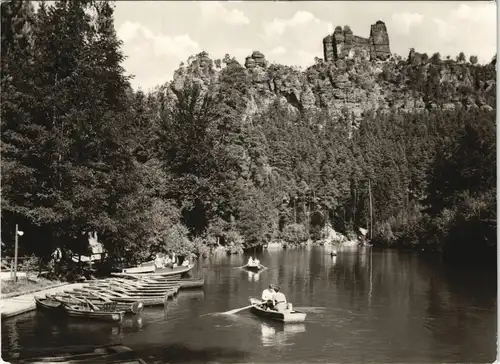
(344, 44)
(358, 75)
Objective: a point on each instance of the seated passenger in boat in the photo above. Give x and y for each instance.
(279, 300)
(250, 261)
(256, 262)
(158, 261)
(185, 263)
(267, 297)
(167, 261)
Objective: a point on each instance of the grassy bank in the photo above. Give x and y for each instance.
(25, 285)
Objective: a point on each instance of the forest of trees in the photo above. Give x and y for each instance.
(83, 152)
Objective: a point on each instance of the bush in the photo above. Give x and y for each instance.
(294, 234)
(29, 265)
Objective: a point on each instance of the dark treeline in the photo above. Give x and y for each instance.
(185, 167)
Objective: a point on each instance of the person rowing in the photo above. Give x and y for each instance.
(267, 297)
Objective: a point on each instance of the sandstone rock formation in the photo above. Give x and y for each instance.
(257, 59)
(379, 45)
(352, 82)
(343, 44)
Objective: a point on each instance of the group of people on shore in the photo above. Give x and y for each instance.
(273, 299)
(169, 261)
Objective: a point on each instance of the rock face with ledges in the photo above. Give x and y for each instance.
(343, 44)
(358, 76)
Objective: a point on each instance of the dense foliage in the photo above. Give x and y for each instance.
(187, 166)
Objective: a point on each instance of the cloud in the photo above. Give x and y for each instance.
(153, 56)
(445, 29)
(179, 46)
(471, 27)
(279, 50)
(402, 22)
(277, 27)
(215, 11)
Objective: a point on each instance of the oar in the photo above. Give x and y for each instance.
(310, 309)
(236, 310)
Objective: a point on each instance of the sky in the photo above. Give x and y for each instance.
(158, 35)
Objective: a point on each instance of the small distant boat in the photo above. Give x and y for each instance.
(253, 267)
(79, 354)
(285, 317)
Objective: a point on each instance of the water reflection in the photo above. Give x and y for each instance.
(279, 334)
(196, 294)
(137, 323)
(35, 330)
(253, 277)
(165, 311)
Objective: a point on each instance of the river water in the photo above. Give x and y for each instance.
(362, 306)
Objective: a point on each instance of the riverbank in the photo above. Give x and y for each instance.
(26, 285)
(23, 303)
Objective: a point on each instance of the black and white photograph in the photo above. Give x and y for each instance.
(187, 182)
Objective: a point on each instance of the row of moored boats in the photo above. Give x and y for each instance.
(110, 299)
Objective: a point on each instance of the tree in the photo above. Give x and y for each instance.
(473, 60)
(436, 58)
(461, 57)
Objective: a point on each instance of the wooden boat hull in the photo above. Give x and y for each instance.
(139, 270)
(253, 268)
(118, 291)
(161, 272)
(147, 301)
(285, 317)
(51, 305)
(48, 305)
(152, 284)
(134, 290)
(78, 312)
(101, 303)
(94, 297)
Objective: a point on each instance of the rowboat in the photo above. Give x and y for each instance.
(77, 354)
(151, 283)
(76, 310)
(101, 302)
(135, 286)
(139, 270)
(125, 298)
(97, 298)
(79, 311)
(134, 293)
(253, 267)
(48, 305)
(285, 317)
(160, 272)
